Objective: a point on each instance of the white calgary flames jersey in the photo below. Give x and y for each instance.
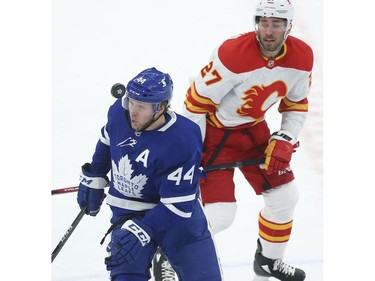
(236, 88)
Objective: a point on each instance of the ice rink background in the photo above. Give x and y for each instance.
(91, 51)
(99, 43)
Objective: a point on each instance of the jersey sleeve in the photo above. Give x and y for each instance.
(101, 160)
(178, 178)
(294, 107)
(210, 86)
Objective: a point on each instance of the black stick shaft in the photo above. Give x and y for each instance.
(67, 234)
(256, 161)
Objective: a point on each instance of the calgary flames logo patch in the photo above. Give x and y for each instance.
(258, 99)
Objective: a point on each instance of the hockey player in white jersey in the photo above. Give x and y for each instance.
(153, 155)
(229, 98)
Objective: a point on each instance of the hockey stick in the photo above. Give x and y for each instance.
(210, 168)
(67, 234)
(256, 161)
(64, 190)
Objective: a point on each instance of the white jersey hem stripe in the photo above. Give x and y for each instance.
(128, 204)
(179, 199)
(173, 209)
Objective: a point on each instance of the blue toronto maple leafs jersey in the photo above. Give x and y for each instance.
(151, 168)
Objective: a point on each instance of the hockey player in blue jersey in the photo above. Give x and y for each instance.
(153, 155)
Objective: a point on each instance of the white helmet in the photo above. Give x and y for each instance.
(275, 8)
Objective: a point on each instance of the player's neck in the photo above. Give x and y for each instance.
(157, 123)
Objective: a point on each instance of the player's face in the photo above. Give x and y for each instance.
(140, 113)
(271, 33)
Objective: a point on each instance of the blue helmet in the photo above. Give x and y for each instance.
(150, 86)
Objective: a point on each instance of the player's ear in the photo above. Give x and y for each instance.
(161, 108)
(164, 106)
(287, 33)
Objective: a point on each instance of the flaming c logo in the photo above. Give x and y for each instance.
(258, 99)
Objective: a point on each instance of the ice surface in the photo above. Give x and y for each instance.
(98, 43)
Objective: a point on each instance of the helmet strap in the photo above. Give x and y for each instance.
(152, 121)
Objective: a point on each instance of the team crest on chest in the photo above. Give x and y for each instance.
(124, 181)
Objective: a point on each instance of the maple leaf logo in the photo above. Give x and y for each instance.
(123, 181)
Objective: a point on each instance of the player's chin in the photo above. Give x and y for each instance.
(135, 125)
(270, 46)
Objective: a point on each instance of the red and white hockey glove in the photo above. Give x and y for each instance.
(279, 151)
